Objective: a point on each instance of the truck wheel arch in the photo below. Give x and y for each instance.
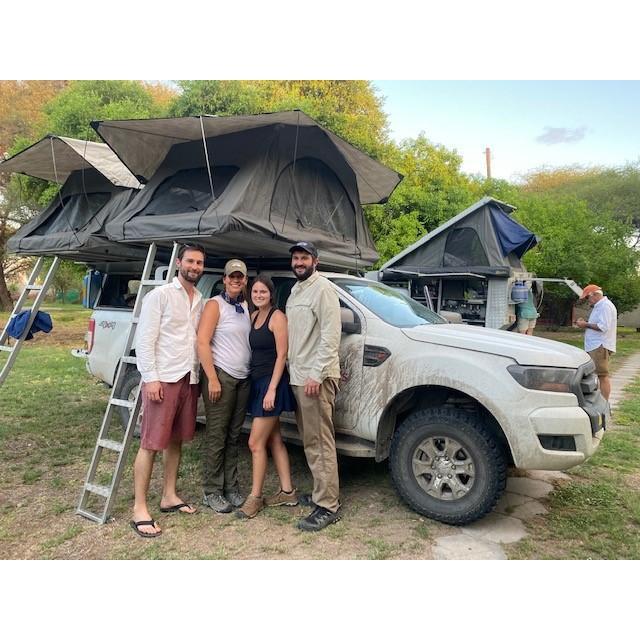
(422, 397)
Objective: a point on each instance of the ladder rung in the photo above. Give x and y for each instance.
(100, 489)
(151, 283)
(129, 359)
(88, 514)
(34, 287)
(114, 445)
(123, 403)
(5, 348)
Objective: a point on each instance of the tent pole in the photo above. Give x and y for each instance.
(206, 156)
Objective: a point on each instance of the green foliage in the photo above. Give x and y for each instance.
(578, 243)
(614, 190)
(433, 188)
(350, 108)
(393, 234)
(71, 111)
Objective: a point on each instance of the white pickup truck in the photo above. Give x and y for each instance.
(450, 405)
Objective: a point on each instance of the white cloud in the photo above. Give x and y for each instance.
(561, 135)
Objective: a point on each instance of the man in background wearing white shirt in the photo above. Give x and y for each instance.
(168, 363)
(600, 333)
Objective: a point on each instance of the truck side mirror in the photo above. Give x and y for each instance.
(350, 322)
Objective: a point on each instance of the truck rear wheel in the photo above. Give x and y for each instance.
(446, 465)
(128, 392)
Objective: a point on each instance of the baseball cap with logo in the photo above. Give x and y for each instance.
(309, 247)
(235, 265)
(589, 289)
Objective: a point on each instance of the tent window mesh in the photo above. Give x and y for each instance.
(313, 196)
(464, 249)
(73, 214)
(188, 190)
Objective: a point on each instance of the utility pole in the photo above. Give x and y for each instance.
(487, 153)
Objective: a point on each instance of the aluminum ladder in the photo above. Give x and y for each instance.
(104, 443)
(31, 285)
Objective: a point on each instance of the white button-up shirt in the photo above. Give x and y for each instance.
(605, 315)
(166, 348)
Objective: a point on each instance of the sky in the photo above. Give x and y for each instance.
(526, 124)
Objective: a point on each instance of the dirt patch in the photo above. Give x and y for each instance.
(38, 521)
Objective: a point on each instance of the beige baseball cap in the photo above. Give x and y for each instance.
(235, 265)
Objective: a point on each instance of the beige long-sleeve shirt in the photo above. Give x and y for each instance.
(313, 314)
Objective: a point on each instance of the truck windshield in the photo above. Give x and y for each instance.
(390, 305)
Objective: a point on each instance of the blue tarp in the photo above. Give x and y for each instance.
(512, 236)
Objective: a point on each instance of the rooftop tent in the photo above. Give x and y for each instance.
(95, 186)
(482, 239)
(254, 183)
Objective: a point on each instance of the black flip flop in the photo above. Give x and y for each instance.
(178, 507)
(141, 523)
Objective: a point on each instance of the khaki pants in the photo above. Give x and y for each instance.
(314, 416)
(219, 448)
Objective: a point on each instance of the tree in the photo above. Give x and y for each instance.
(432, 191)
(66, 110)
(579, 243)
(612, 190)
(350, 108)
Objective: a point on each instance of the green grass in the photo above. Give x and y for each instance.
(597, 515)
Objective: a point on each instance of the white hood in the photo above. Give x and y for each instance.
(525, 350)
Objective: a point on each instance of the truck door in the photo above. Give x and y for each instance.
(348, 400)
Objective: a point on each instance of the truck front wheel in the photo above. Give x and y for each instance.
(447, 466)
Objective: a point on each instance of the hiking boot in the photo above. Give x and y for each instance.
(217, 502)
(304, 499)
(319, 519)
(252, 505)
(234, 497)
(282, 499)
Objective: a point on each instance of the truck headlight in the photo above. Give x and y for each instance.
(543, 378)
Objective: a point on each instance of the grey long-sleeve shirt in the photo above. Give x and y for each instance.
(313, 314)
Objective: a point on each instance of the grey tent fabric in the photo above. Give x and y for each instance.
(72, 226)
(142, 145)
(466, 243)
(55, 158)
(273, 185)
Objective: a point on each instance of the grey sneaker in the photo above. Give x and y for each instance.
(217, 502)
(305, 500)
(282, 499)
(319, 519)
(234, 497)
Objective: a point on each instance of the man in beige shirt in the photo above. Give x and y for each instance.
(313, 313)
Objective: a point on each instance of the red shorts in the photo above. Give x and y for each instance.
(171, 420)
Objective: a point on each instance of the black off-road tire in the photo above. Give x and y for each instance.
(489, 461)
(130, 382)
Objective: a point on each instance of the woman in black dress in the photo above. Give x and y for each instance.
(270, 395)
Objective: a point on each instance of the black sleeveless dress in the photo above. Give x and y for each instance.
(263, 359)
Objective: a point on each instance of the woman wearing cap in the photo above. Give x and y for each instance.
(225, 356)
(270, 395)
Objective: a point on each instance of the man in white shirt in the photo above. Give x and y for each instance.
(600, 333)
(168, 364)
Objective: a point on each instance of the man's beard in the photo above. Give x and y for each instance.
(189, 277)
(305, 274)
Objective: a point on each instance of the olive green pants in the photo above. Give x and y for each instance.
(219, 443)
(314, 416)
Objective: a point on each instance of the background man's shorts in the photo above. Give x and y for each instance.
(525, 323)
(173, 419)
(601, 357)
